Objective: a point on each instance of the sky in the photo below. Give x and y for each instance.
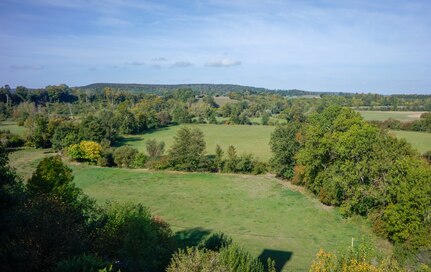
(317, 45)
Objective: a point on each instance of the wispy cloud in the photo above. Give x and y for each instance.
(159, 59)
(181, 64)
(135, 63)
(27, 67)
(224, 62)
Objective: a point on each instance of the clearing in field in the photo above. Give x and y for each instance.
(13, 128)
(420, 140)
(259, 212)
(384, 115)
(246, 139)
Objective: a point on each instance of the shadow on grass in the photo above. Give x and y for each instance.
(190, 237)
(280, 257)
(137, 137)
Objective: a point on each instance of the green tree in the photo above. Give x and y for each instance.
(38, 133)
(54, 218)
(155, 149)
(187, 151)
(231, 161)
(124, 156)
(131, 236)
(284, 146)
(265, 118)
(219, 158)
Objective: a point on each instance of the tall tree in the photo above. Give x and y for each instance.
(284, 146)
(188, 149)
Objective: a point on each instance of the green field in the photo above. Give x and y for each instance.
(13, 128)
(384, 115)
(223, 100)
(246, 139)
(420, 140)
(261, 214)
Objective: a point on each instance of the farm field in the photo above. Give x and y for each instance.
(384, 115)
(419, 140)
(13, 127)
(246, 139)
(223, 100)
(261, 214)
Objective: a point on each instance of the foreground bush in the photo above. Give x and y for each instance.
(49, 224)
(132, 237)
(232, 259)
(358, 260)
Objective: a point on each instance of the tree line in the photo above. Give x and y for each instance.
(349, 163)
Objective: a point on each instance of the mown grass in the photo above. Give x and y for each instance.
(13, 127)
(246, 139)
(420, 140)
(259, 212)
(384, 115)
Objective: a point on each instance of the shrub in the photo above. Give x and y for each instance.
(131, 236)
(75, 152)
(88, 263)
(140, 160)
(259, 167)
(194, 260)
(10, 140)
(231, 161)
(155, 149)
(354, 261)
(85, 151)
(125, 156)
(427, 156)
(232, 259)
(160, 164)
(91, 150)
(244, 164)
(107, 158)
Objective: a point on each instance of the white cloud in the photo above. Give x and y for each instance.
(224, 62)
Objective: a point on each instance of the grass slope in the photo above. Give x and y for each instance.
(267, 218)
(258, 212)
(384, 115)
(420, 140)
(246, 139)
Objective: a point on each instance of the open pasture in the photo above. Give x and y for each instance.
(13, 128)
(267, 217)
(384, 115)
(246, 139)
(420, 140)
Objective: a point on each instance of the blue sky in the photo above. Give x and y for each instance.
(359, 46)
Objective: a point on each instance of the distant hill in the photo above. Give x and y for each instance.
(221, 89)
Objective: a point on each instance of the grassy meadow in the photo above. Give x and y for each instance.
(384, 115)
(246, 139)
(265, 216)
(13, 128)
(420, 140)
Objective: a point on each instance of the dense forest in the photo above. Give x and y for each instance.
(320, 142)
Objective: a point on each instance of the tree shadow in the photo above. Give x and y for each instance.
(190, 237)
(280, 257)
